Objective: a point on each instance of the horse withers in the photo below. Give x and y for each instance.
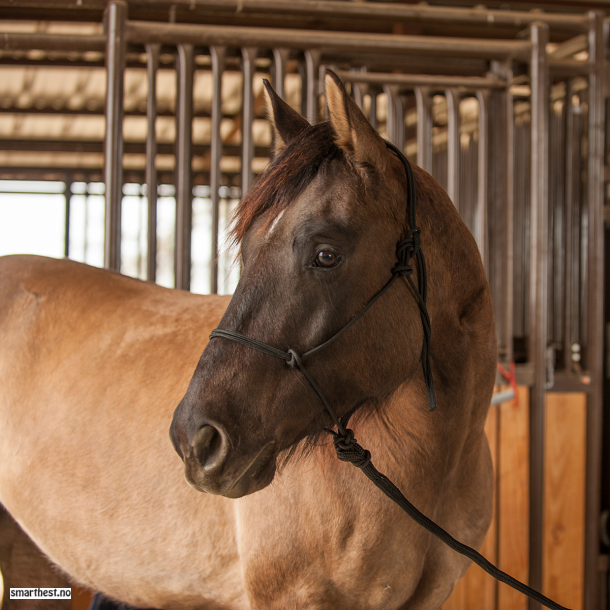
(92, 365)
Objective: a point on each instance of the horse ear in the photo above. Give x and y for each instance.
(353, 133)
(287, 123)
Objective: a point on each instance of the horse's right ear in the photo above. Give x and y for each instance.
(287, 123)
(353, 133)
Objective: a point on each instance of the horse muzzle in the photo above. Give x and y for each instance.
(212, 466)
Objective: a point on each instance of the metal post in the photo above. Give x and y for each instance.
(68, 196)
(152, 64)
(373, 110)
(595, 305)
(423, 100)
(116, 18)
(539, 82)
(483, 177)
(510, 211)
(184, 191)
(572, 150)
(500, 204)
(248, 68)
(359, 90)
(280, 57)
(218, 64)
(395, 121)
(453, 145)
(312, 65)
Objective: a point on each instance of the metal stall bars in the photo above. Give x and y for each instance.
(310, 44)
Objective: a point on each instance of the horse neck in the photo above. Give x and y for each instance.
(398, 430)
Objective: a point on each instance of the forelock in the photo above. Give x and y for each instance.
(285, 178)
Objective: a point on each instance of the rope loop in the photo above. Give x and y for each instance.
(348, 449)
(295, 360)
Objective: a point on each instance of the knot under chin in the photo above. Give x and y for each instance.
(295, 359)
(348, 450)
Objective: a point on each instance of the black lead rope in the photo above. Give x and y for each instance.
(346, 446)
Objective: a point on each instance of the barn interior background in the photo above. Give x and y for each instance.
(129, 131)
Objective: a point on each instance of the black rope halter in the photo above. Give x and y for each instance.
(346, 446)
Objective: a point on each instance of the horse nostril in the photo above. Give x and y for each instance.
(208, 447)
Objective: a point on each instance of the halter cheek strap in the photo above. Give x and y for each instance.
(346, 446)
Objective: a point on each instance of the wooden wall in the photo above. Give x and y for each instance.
(81, 598)
(506, 544)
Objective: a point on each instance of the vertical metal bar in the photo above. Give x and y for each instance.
(571, 145)
(395, 120)
(116, 17)
(453, 145)
(68, 196)
(184, 191)
(303, 75)
(510, 212)
(359, 90)
(595, 305)
(499, 126)
(152, 64)
(247, 152)
(218, 55)
(280, 57)
(390, 125)
(503, 219)
(482, 178)
(312, 66)
(539, 82)
(423, 101)
(373, 112)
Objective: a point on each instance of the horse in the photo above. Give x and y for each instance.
(93, 364)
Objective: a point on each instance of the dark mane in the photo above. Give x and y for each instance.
(286, 177)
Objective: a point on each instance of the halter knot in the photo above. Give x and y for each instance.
(295, 359)
(348, 450)
(408, 247)
(403, 270)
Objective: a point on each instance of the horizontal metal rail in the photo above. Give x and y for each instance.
(378, 11)
(93, 146)
(141, 32)
(387, 11)
(204, 35)
(16, 41)
(421, 80)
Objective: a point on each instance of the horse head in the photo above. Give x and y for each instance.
(318, 234)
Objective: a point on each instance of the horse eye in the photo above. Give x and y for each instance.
(327, 259)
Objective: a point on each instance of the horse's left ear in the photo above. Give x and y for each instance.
(287, 123)
(353, 133)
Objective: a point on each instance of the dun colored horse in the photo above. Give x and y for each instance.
(92, 364)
